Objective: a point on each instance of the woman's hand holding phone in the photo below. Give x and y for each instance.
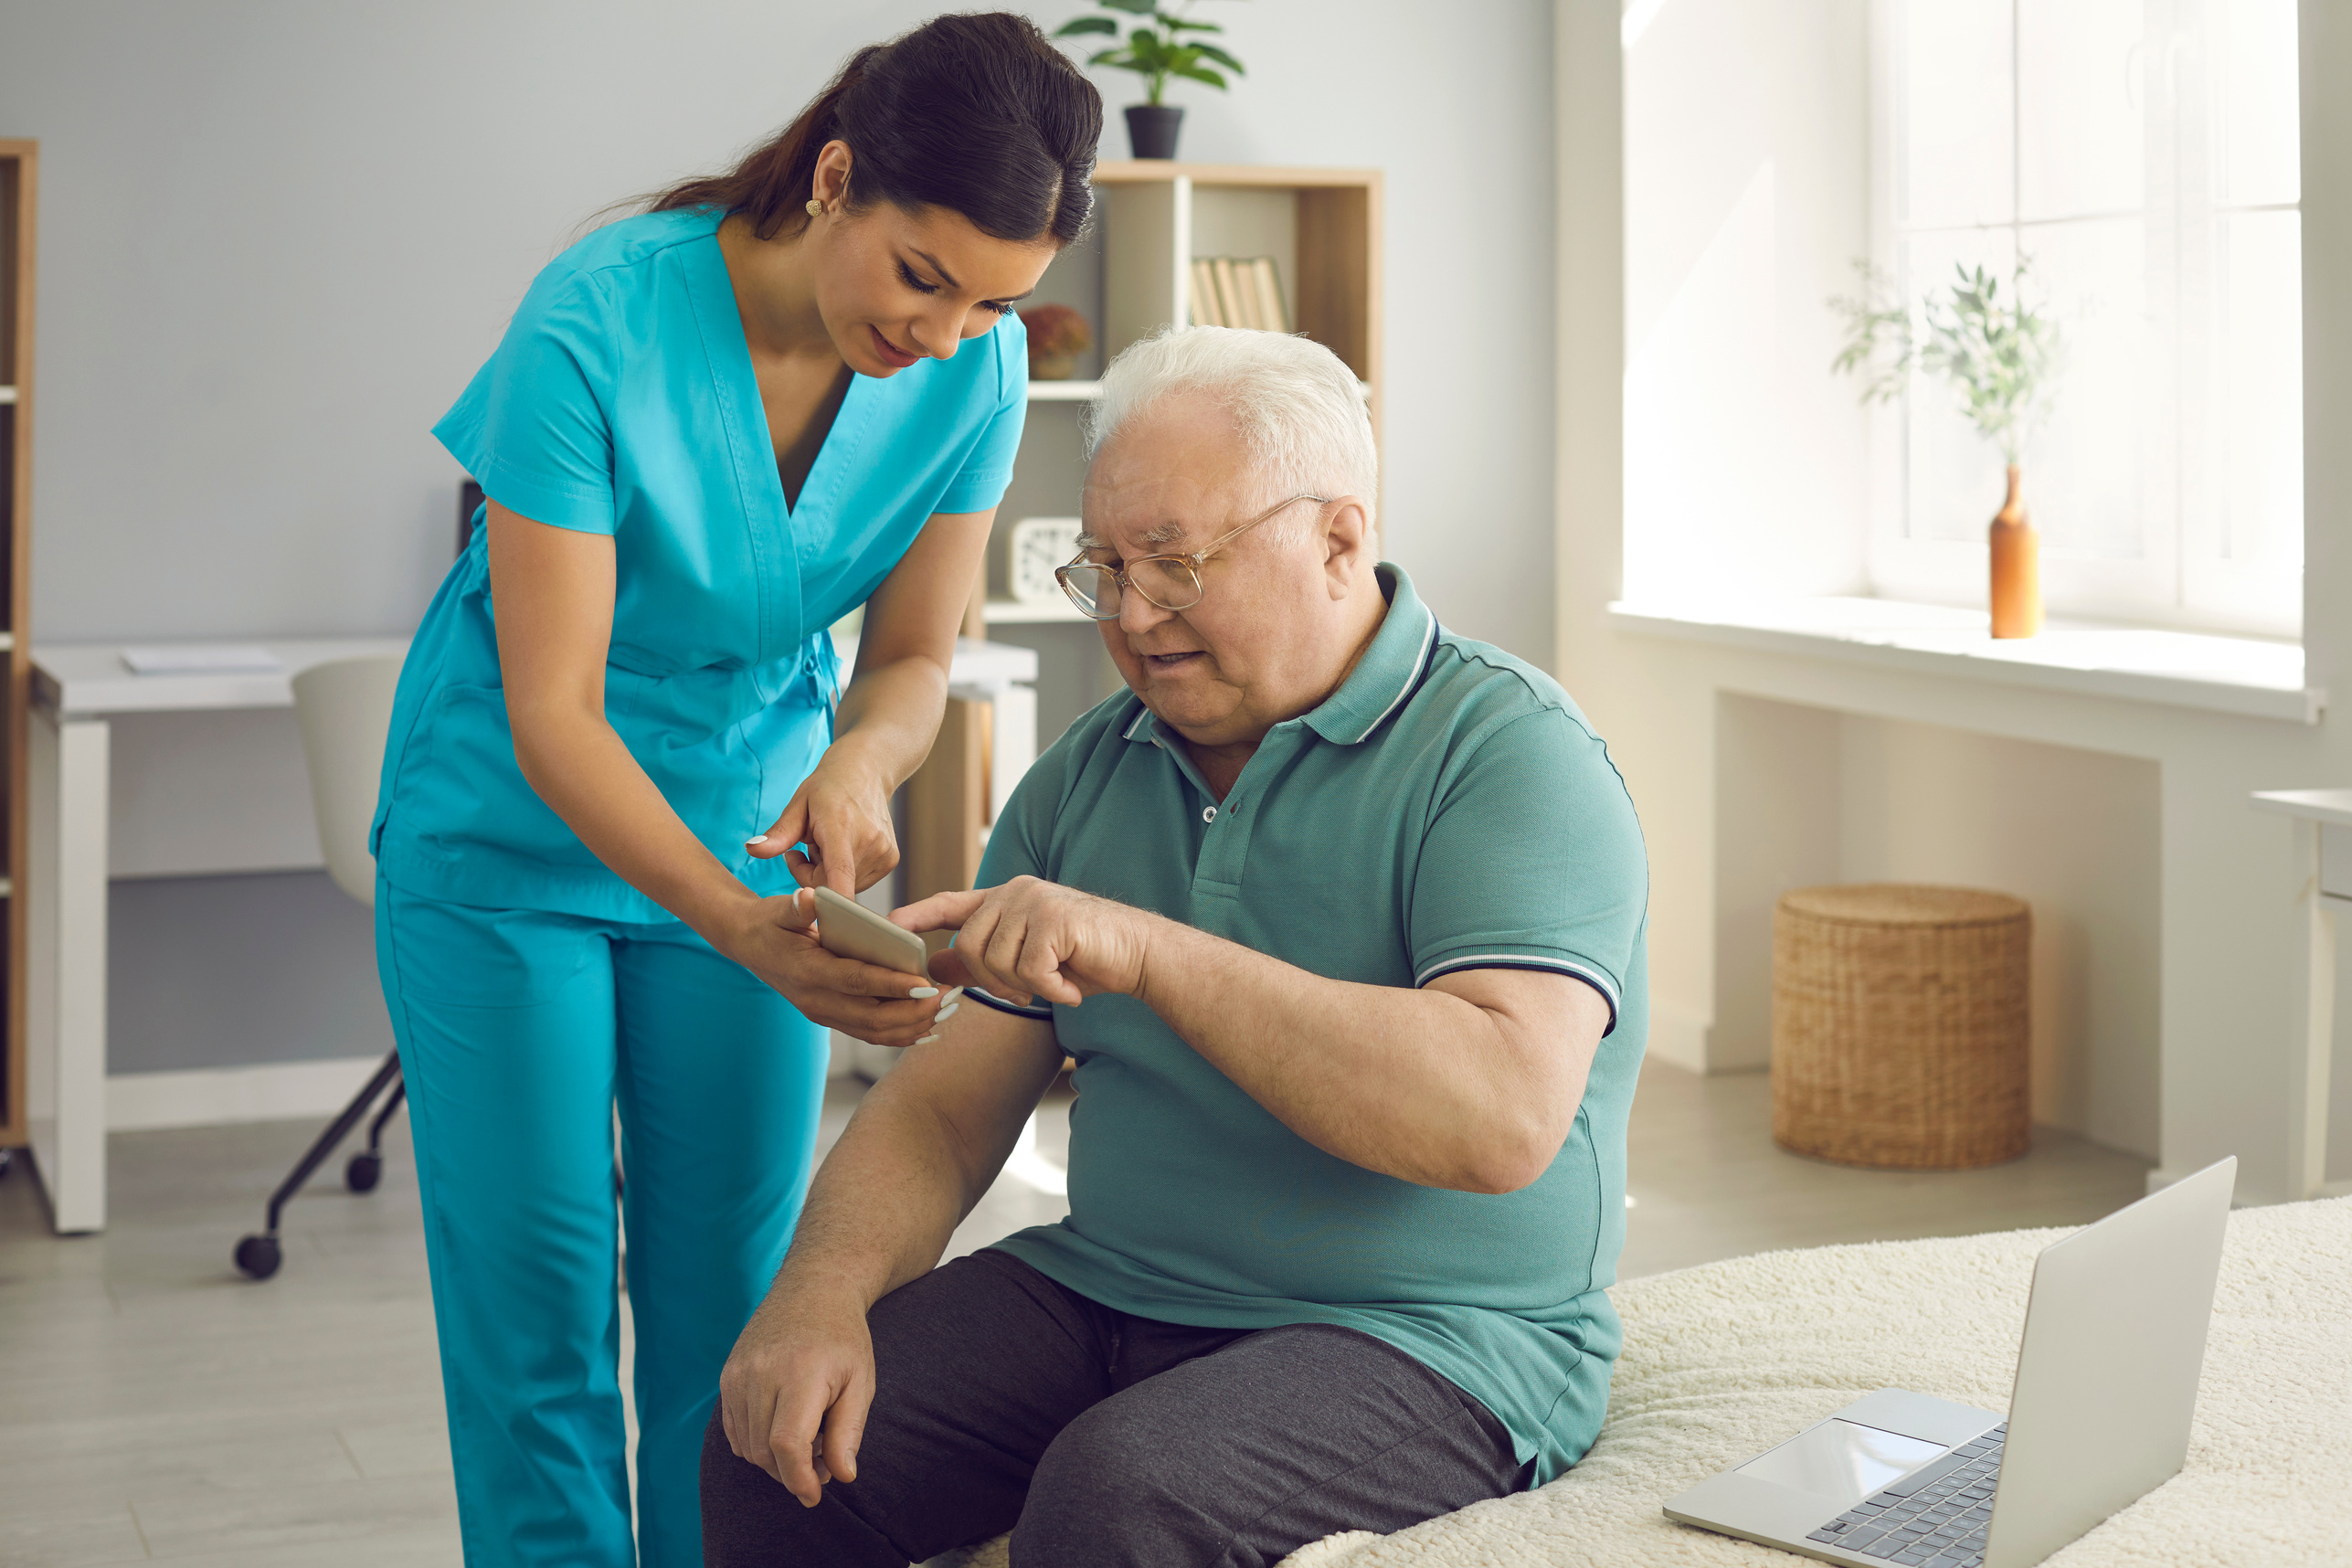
(778, 941)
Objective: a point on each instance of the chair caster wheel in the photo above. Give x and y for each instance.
(364, 1171)
(257, 1256)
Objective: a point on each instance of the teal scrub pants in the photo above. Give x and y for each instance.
(519, 1030)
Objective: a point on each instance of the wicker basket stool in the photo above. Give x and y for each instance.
(1899, 1026)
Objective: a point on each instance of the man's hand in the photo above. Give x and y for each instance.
(1031, 938)
(795, 1393)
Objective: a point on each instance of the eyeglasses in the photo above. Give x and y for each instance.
(1171, 582)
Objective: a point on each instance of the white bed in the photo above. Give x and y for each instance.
(1723, 1360)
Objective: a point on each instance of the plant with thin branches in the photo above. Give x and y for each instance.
(1165, 44)
(2001, 353)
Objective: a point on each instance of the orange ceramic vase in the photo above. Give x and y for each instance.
(2016, 568)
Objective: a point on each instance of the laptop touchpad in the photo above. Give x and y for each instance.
(1841, 1459)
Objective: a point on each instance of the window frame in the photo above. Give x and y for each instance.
(2181, 575)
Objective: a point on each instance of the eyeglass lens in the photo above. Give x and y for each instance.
(1169, 584)
(1092, 589)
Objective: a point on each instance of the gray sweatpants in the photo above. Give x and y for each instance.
(1004, 1401)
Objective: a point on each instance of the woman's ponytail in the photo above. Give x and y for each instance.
(978, 114)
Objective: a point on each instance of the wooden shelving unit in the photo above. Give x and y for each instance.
(19, 186)
(1133, 277)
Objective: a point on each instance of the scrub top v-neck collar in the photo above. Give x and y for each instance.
(781, 535)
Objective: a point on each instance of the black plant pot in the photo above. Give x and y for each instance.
(1151, 130)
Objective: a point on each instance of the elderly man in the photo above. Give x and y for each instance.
(1341, 916)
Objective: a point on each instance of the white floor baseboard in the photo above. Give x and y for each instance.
(213, 1096)
(1678, 1034)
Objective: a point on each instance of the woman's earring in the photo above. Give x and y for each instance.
(816, 207)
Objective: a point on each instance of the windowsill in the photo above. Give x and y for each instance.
(2250, 676)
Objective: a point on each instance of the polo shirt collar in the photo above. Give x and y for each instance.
(1393, 665)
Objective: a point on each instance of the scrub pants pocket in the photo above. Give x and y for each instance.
(519, 1030)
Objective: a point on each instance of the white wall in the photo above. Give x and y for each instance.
(277, 237)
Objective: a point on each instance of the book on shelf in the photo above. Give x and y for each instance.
(1230, 303)
(1204, 295)
(1238, 292)
(1271, 315)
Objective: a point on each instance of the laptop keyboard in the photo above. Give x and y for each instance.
(1936, 1520)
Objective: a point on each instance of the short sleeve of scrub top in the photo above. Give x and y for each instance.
(534, 429)
(621, 402)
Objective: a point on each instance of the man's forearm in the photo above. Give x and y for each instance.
(883, 1202)
(921, 1149)
(1471, 1083)
(1418, 1084)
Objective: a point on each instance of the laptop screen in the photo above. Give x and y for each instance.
(1842, 1460)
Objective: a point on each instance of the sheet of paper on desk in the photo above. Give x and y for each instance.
(200, 659)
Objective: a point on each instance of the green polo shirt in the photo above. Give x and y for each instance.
(1446, 809)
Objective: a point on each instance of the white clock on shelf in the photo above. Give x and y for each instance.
(1036, 547)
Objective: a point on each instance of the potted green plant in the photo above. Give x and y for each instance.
(1164, 44)
(2001, 354)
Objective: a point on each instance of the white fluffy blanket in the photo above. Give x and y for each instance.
(1723, 1360)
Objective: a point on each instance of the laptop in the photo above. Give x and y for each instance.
(2106, 1385)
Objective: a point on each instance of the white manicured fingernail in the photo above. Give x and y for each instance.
(926, 1040)
(944, 1013)
(954, 996)
(754, 844)
(923, 992)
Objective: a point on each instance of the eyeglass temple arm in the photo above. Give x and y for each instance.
(1219, 542)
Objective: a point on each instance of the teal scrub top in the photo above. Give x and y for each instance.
(1446, 809)
(621, 402)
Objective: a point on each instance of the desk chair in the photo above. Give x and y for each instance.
(344, 710)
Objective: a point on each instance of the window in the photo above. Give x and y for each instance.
(2141, 156)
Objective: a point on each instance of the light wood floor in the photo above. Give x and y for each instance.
(155, 1404)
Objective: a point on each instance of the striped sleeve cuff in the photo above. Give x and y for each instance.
(1041, 1012)
(1574, 969)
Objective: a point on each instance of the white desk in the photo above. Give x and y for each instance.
(2323, 818)
(78, 815)
(211, 782)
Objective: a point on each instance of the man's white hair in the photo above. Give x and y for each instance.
(1296, 405)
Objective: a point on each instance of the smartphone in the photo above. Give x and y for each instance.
(848, 928)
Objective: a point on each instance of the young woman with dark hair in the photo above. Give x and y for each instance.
(710, 431)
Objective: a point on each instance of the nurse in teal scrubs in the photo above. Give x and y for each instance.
(621, 744)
